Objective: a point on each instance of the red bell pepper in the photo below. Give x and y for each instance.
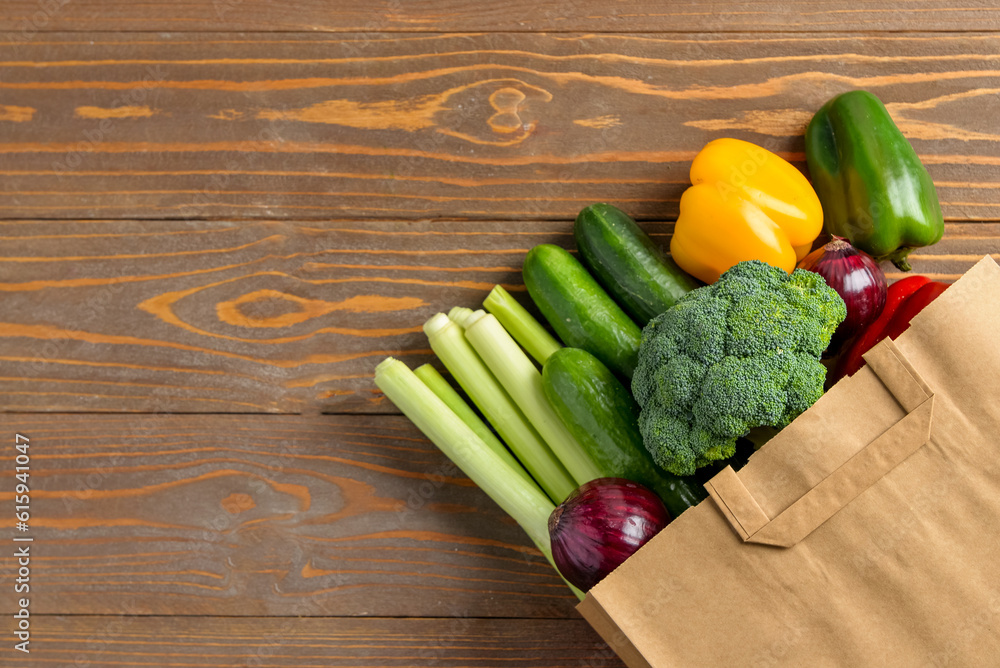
(904, 300)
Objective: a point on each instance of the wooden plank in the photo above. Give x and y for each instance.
(234, 316)
(192, 642)
(188, 316)
(301, 126)
(30, 19)
(263, 515)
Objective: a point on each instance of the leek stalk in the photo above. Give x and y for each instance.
(518, 497)
(446, 393)
(521, 325)
(522, 380)
(448, 343)
(459, 314)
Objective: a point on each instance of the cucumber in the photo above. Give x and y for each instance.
(602, 415)
(579, 310)
(623, 259)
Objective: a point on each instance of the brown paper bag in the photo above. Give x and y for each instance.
(867, 533)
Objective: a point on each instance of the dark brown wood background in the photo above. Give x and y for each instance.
(217, 217)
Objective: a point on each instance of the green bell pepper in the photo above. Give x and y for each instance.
(873, 187)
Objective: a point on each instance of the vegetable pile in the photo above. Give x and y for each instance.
(596, 428)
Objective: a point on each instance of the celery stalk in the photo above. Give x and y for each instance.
(519, 376)
(459, 314)
(521, 325)
(448, 343)
(523, 501)
(446, 393)
(511, 489)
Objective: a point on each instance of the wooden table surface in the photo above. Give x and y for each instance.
(217, 217)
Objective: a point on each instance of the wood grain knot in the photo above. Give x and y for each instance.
(236, 503)
(511, 110)
(272, 308)
(467, 111)
(506, 101)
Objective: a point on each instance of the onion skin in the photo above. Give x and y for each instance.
(858, 280)
(600, 525)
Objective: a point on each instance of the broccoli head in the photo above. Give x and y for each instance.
(741, 353)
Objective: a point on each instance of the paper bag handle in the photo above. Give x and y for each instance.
(852, 478)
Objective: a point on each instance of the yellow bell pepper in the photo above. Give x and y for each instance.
(745, 203)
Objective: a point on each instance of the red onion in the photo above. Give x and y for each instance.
(857, 279)
(601, 525)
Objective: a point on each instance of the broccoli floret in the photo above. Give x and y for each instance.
(732, 356)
